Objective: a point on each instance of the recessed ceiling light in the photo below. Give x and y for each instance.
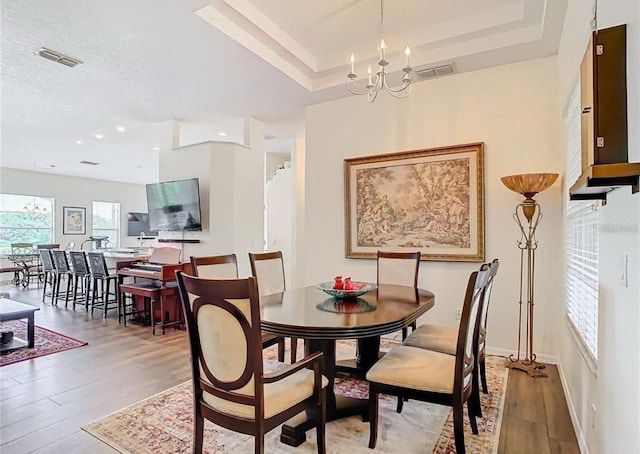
(138, 167)
(78, 142)
(156, 148)
(98, 136)
(121, 128)
(222, 134)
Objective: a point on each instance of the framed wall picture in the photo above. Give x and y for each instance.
(428, 200)
(74, 221)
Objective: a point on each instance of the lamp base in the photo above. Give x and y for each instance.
(530, 367)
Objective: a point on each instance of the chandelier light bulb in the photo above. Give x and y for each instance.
(353, 62)
(369, 72)
(407, 52)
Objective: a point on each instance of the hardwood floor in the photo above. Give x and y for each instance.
(45, 401)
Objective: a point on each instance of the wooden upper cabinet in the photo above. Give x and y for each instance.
(603, 79)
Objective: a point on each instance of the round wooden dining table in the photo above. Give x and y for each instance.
(310, 314)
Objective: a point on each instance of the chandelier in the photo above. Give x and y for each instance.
(380, 82)
(34, 208)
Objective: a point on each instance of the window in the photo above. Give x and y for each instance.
(582, 241)
(25, 219)
(106, 222)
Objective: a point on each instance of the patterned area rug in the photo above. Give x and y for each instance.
(46, 343)
(163, 424)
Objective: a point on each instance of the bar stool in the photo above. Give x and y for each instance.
(62, 270)
(48, 273)
(81, 275)
(101, 280)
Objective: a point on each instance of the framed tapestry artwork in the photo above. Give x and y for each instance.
(427, 200)
(74, 221)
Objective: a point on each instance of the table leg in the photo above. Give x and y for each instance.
(31, 330)
(294, 431)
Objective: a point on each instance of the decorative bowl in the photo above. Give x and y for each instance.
(327, 287)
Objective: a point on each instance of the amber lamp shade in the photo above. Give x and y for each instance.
(529, 184)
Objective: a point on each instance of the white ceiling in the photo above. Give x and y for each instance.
(146, 62)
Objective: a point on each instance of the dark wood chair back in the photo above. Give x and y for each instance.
(399, 268)
(215, 266)
(98, 265)
(486, 297)
(268, 269)
(60, 259)
(47, 260)
(468, 332)
(48, 246)
(79, 265)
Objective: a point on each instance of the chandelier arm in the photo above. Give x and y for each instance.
(400, 96)
(356, 92)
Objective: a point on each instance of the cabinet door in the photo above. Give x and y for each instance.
(587, 100)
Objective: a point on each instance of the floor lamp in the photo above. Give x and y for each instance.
(527, 215)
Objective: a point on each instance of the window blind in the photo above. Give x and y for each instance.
(582, 240)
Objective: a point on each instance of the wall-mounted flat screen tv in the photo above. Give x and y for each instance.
(138, 225)
(174, 206)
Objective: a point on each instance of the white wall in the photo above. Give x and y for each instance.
(279, 213)
(231, 180)
(614, 389)
(76, 192)
(513, 110)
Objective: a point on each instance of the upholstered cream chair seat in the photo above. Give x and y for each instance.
(226, 267)
(230, 386)
(415, 368)
(419, 374)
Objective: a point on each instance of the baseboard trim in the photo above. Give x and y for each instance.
(582, 442)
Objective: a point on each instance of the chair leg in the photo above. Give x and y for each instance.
(57, 290)
(474, 399)
(198, 432)
(281, 349)
(399, 405)
(373, 417)
(259, 443)
(483, 376)
(44, 286)
(105, 297)
(66, 295)
(75, 291)
(472, 417)
(322, 418)
(458, 427)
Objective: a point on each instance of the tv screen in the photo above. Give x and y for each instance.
(138, 225)
(174, 205)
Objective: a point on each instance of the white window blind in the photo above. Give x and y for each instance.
(582, 240)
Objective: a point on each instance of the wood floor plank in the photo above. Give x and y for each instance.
(557, 415)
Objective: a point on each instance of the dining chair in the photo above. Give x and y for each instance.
(425, 375)
(442, 339)
(399, 268)
(230, 386)
(268, 269)
(226, 267)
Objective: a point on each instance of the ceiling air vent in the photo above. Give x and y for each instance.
(89, 163)
(59, 58)
(435, 71)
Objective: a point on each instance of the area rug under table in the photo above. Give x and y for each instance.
(163, 424)
(46, 343)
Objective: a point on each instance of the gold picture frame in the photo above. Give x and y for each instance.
(430, 200)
